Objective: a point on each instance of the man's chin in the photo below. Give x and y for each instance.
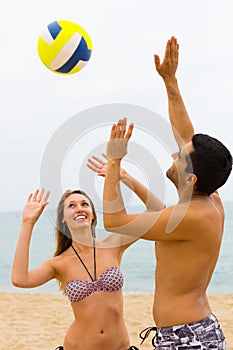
(170, 177)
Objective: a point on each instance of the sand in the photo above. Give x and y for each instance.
(40, 321)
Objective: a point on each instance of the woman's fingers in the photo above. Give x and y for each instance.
(99, 160)
(34, 196)
(38, 196)
(45, 197)
(29, 198)
(96, 164)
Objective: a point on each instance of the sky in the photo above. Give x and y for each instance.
(36, 102)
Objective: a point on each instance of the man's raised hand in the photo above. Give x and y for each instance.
(118, 142)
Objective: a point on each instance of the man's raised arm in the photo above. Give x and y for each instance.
(116, 149)
(180, 122)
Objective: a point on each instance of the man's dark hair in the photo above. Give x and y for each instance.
(210, 161)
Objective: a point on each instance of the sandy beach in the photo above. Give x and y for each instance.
(39, 321)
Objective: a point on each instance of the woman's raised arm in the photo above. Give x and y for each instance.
(21, 275)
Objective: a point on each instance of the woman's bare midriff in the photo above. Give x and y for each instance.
(98, 324)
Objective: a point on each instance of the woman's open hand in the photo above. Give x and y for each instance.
(100, 167)
(35, 205)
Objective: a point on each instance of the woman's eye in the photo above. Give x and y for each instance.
(70, 205)
(85, 204)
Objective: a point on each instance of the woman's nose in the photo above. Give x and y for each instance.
(78, 208)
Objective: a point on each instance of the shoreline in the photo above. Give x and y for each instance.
(29, 320)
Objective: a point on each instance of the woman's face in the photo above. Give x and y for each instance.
(77, 211)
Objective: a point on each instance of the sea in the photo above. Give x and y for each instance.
(138, 263)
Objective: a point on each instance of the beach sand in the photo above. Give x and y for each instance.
(40, 321)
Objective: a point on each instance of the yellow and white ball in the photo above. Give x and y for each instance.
(64, 47)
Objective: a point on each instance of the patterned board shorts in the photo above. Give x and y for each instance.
(202, 335)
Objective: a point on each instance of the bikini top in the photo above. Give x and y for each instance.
(110, 280)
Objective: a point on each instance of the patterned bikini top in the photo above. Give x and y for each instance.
(110, 280)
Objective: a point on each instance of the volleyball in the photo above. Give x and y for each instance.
(64, 47)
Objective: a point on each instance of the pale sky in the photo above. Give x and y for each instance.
(125, 34)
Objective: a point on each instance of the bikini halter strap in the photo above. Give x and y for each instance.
(84, 265)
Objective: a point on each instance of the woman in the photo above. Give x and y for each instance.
(86, 268)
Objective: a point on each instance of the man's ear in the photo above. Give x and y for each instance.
(191, 179)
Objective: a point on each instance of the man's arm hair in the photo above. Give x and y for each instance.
(181, 124)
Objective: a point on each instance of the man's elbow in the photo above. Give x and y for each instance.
(110, 222)
(107, 224)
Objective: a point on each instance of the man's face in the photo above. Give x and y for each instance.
(176, 173)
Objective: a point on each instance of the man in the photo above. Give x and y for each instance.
(188, 235)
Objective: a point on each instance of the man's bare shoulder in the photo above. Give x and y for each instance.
(205, 218)
(177, 222)
(208, 208)
(202, 215)
(215, 197)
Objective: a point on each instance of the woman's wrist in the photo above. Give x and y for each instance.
(27, 222)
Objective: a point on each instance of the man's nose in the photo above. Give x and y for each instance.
(174, 155)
